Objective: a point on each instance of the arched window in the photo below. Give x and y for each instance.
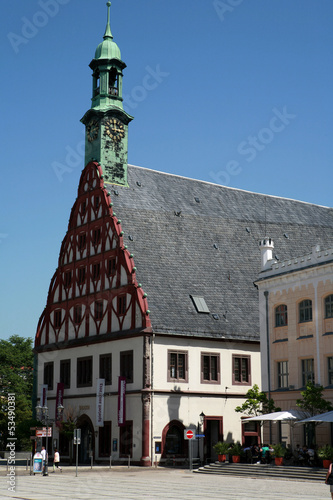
(305, 311)
(281, 315)
(329, 306)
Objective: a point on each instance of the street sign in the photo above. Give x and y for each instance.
(189, 434)
(77, 436)
(42, 432)
(200, 435)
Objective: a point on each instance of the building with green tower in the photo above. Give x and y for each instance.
(151, 323)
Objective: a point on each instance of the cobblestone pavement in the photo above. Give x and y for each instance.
(122, 483)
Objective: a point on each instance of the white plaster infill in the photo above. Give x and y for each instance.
(316, 257)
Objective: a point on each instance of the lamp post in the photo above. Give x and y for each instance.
(42, 414)
(201, 451)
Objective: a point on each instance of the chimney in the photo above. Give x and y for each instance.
(266, 247)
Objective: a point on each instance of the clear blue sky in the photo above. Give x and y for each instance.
(242, 96)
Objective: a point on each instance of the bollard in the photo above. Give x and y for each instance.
(91, 462)
(129, 461)
(110, 461)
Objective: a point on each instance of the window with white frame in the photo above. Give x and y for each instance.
(307, 371)
(305, 311)
(283, 374)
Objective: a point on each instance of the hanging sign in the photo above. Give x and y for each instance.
(100, 402)
(121, 401)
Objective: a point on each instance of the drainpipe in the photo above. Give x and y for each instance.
(266, 293)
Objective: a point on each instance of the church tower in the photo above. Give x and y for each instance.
(106, 121)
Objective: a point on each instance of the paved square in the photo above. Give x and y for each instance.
(121, 483)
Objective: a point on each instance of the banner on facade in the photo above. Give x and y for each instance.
(100, 402)
(121, 401)
(43, 395)
(59, 401)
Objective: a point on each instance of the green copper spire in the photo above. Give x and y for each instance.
(106, 121)
(108, 33)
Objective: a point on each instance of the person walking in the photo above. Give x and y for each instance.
(56, 460)
(330, 475)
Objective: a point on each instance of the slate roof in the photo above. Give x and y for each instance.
(209, 248)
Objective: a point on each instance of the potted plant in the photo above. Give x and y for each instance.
(221, 449)
(236, 452)
(279, 453)
(326, 455)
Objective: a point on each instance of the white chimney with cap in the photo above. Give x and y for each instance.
(266, 247)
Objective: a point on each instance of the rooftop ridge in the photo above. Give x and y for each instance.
(227, 187)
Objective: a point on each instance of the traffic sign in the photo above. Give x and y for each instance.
(189, 434)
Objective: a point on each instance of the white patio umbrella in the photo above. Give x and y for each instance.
(322, 417)
(279, 415)
(291, 416)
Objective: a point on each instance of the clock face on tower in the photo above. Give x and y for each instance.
(115, 129)
(92, 130)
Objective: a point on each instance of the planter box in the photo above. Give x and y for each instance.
(236, 459)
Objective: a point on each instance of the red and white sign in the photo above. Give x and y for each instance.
(189, 434)
(42, 432)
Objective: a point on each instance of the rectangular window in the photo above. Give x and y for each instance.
(241, 370)
(126, 366)
(99, 309)
(122, 304)
(305, 311)
(82, 241)
(283, 374)
(48, 375)
(65, 373)
(307, 371)
(82, 275)
(105, 368)
(177, 366)
(78, 314)
(96, 236)
(210, 368)
(83, 207)
(281, 315)
(96, 271)
(112, 266)
(68, 279)
(97, 201)
(84, 372)
(329, 306)
(330, 370)
(126, 439)
(105, 440)
(57, 319)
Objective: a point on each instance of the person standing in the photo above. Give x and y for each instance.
(44, 457)
(329, 472)
(56, 460)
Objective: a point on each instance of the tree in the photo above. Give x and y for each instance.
(313, 401)
(67, 427)
(16, 377)
(257, 403)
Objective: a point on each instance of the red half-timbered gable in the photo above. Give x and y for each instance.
(94, 289)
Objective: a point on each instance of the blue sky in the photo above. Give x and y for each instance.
(240, 94)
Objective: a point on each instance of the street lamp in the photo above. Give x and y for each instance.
(42, 414)
(202, 418)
